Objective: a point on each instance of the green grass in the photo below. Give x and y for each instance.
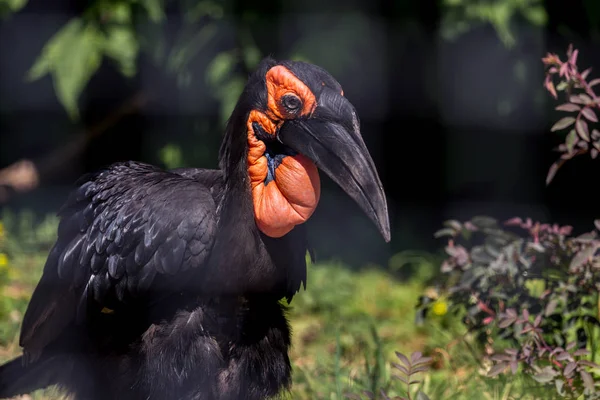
(346, 327)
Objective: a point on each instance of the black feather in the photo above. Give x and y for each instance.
(160, 285)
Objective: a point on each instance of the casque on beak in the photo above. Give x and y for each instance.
(331, 138)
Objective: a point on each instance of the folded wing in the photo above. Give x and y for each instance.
(125, 233)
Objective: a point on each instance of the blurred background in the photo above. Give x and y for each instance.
(449, 92)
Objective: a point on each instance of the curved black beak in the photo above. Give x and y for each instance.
(331, 139)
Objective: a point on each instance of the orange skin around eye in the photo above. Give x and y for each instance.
(281, 81)
(292, 197)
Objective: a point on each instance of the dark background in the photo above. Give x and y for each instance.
(457, 127)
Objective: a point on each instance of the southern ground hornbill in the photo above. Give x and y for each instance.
(167, 284)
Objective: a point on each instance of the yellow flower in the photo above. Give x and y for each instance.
(3, 261)
(439, 308)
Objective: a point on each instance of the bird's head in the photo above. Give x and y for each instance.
(296, 119)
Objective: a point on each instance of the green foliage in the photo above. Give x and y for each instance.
(4, 271)
(120, 30)
(72, 56)
(74, 53)
(226, 84)
(28, 234)
(224, 77)
(349, 32)
(8, 7)
(23, 245)
(154, 8)
(419, 265)
(408, 368)
(462, 15)
(171, 157)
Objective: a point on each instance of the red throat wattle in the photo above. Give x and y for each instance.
(287, 200)
(291, 197)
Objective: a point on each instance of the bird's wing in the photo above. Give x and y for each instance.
(123, 232)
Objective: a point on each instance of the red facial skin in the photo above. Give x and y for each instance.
(291, 198)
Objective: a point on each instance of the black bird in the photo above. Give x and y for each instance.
(167, 284)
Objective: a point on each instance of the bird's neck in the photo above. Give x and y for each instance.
(245, 260)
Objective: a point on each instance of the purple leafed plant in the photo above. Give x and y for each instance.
(528, 293)
(581, 102)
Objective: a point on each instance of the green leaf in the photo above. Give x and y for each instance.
(72, 56)
(444, 232)
(582, 130)
(483, 222)
(53, 50)
(562, 86)
(155, 9)
(81, 58)
(195, 10)
(545, 375)
(171, 156)
(497, 369)
(252, 56)
(189, 46)
(453, 224)
(115, 12)
(536, 15)
(588, 381)
(220, 67)
(122, 46)
(229, 96)
(421, 396)
(11, 6)
(571, 140)
(559, 386)
(562, 123)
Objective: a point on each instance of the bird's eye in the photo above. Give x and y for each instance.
(291, 102)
